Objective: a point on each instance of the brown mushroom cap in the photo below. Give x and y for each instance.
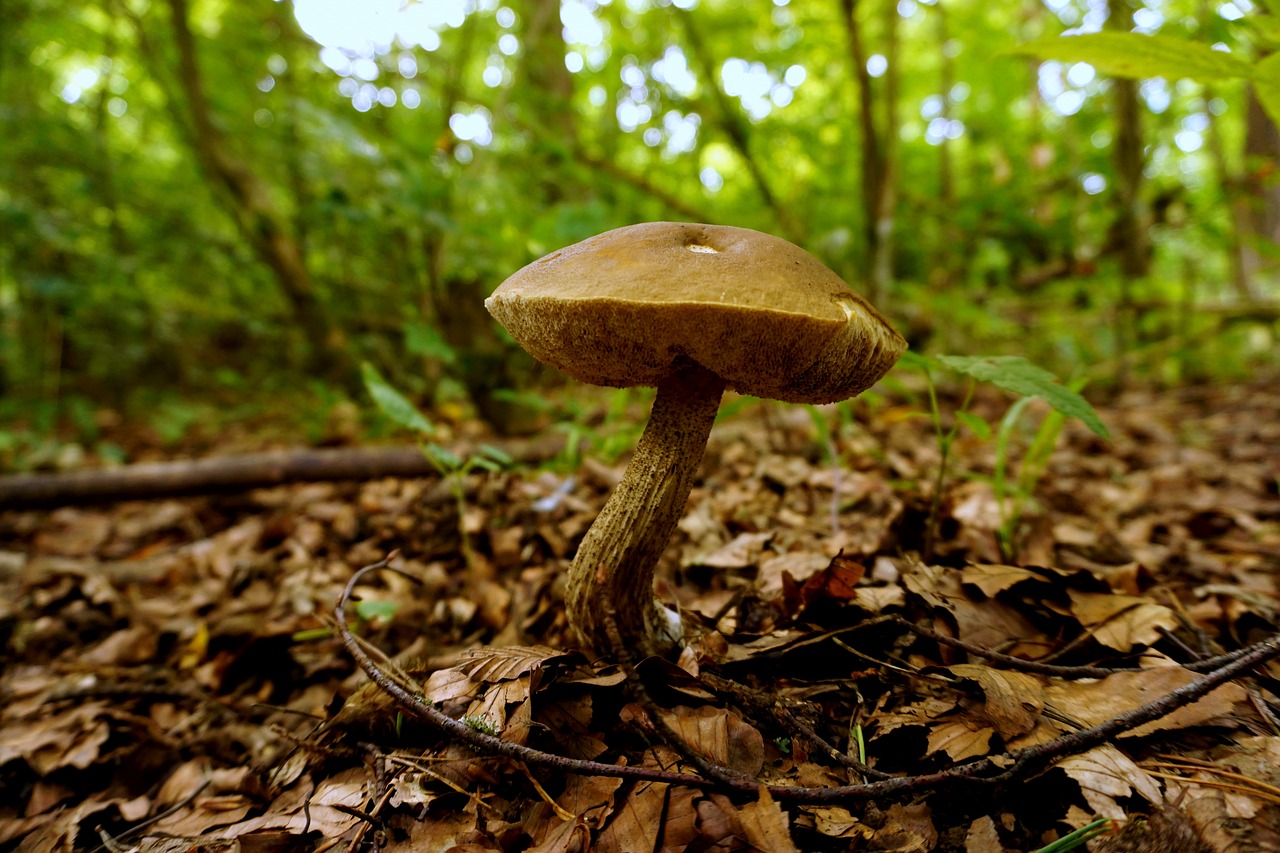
(629, 306)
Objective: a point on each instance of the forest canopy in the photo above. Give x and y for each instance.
(211, 200)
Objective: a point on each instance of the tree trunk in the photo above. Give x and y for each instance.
(1130, 231)
(488, 364)
(1237, 208)
(550, 84)
(946, 171)
(737, 129)
(879, 144)
(248, 199)
(1129, 228)
(1261, 186)
(887, 197)
(872, 168)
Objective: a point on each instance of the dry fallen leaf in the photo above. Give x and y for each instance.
(1231, 812)
(1106, 775)
(1092, 702)
(1122, 622)
(720, 736)
(765, 825)
(1014, 700)
(960, 740)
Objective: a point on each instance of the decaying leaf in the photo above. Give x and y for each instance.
(1122, 622)
(1014, 700)
(1093, 702)
(1230, 798)
(637, 823)
(1105, 775)
(765, 825)
(719, 735)
(960, 740)
(181, 648)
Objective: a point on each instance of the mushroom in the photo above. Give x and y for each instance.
(693, 310)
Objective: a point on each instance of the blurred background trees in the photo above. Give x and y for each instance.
(243, 201)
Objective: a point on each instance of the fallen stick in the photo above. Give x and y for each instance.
(240, 473)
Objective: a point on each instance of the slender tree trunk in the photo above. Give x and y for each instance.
(1128, 158)
(887, 198)
(946, 171)
(872, 167)
(296, 50)
(487, 363)
(879, 143)
(1261, 185)
(1237, 208)
(737, 129)
(1128, 225)
(550, 85)
(248, 199)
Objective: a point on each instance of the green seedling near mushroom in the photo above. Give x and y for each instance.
(693, 310)
(452, 468)
(1021, 377)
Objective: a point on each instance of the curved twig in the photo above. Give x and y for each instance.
(986, 771)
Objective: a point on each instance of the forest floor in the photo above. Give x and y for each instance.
(171, 668)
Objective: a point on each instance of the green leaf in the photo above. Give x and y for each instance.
(1139, 56)
(1264, 30)
(442, 458)
(370, 609)
(1016, 374)
(497, 454)
(392, 403)
(421, 339)
(1076, 840)
(1266, 82)
(976, 425)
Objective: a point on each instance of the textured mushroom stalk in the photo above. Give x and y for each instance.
(615, 562)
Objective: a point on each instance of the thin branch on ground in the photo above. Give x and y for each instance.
(993, 770)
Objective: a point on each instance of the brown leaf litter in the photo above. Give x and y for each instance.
(171, 677)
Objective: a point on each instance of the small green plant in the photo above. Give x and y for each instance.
(452, 468)
(1077, 839)
(1014, 493)
(367, 610)
(480, 723)
(1021, 377)
(455, 470)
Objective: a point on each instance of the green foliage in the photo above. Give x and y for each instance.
(1077, 839)
(1016, 374)
(374, 610)
(129, 270)
(612, 437)
(392, 403)
(1140, 56)
(452, 468)
(1143, 56)
(480, 723)
(1266, 82)
(1013, 493)
(426, 341)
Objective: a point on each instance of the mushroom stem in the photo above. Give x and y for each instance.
(613, 568)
